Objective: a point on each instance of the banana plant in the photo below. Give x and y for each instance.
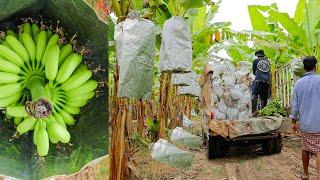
(198, 13)
(300, 34)
(267, 34)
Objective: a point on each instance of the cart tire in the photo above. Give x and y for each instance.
(278, 144)
(267, 146)
(272, 146)
(217, 146)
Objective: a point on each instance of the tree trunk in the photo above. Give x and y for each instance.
(129, 126)
(121, 127)
(154, 109)
(147, 105)
(168, 99)
(187, 105)
(140, 118)
(118, 144)
(174, 107)
(165, 82)
(161, 107)
(180, 111)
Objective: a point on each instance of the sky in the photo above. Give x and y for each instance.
(236, 11)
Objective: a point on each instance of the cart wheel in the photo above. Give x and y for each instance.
(272, 146)
(267, 146)
(217, 146)
(278, 144)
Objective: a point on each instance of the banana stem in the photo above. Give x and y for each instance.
(40, 106)
(29, 66)
(34, 65)
(51, 84)
(56, 89)
(25, 69)
(36, 85)
(38, 65)
(24, 73)
(41, 68)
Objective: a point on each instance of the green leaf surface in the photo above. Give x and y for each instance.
(198, 22)
(291, 26)
(258, 21)
(300, 12)
(187, 4)
(111, 25)
(310, 22)
(137, 4)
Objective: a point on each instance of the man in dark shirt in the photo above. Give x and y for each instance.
(260, 87)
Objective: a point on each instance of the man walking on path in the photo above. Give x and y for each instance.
(260, 87)
(306, 108)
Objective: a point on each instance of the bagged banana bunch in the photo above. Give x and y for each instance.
(244, 65)
(181, 79)
(168, 153)
(135, 40)
(297, 68)
(182, 136)
(217, 68)
(194, 88)
(186, 122)
(176, 47)
(232, 89)
(227, 67)
(44, 83)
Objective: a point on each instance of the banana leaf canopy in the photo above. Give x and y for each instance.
(89, 137)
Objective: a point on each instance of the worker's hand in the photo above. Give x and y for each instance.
(294, 126)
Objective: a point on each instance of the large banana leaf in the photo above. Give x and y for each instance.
(274, 45)
(258, 21)
(89, 137)
(137, 4)
(198, 21)
(191, 3)
(281, 36)
(300, 12)
(240, 53)
(290, 25)
(175, 7)
(311, 19)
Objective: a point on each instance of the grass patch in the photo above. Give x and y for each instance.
(219, 171)
(259, 165)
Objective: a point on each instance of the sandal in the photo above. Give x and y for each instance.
(304, 177)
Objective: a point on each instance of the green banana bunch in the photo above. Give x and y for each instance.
(273, 108)
(43, 84)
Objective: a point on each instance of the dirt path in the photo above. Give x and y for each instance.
(244, 163)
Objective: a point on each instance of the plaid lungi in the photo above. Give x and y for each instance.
(311, 142)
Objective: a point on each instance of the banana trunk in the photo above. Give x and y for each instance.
(40, 107)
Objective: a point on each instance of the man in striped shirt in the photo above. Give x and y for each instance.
(306, 108)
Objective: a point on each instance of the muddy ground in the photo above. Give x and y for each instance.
(242, 163)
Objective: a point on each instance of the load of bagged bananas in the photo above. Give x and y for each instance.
(42, 84)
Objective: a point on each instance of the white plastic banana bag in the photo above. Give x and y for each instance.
(135, 40)
(176, 47)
